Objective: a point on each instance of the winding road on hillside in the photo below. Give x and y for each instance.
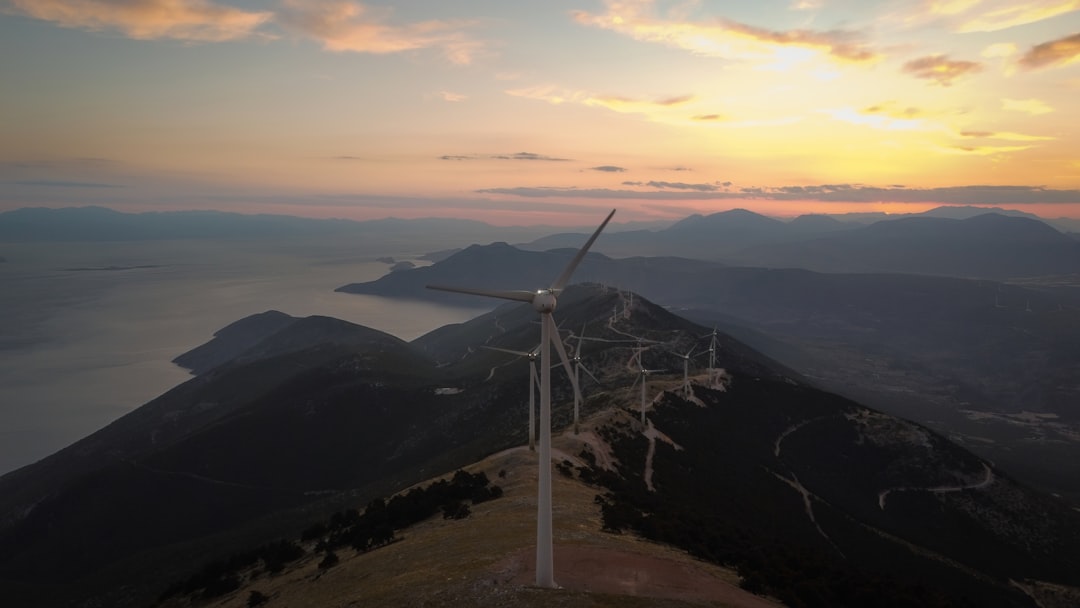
(796, 485)
(652, 433)
(988, 478)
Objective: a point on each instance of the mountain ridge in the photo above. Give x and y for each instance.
(243, 448)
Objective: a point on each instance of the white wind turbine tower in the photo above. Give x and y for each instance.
(712, 356)
(686, 388)
(577, 378)
(543, 300)
(643, 373)
(533, 381)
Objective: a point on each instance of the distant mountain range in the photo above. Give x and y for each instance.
(985, 246)
(811, 497)
(40, 224)
(737, 236)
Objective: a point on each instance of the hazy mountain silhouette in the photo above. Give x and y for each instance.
(310, 415)
(35, 224)
(986, 245)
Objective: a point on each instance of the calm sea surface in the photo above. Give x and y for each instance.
(88, 331)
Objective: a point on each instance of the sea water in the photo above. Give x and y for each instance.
(88, 330)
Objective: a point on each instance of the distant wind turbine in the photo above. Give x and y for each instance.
(643, 373)
(686, 388)
(533, 381)
(712, 356)
(577, 378)
(543, 300)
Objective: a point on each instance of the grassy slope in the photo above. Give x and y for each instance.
(486, 560)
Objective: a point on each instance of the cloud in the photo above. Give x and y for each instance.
(999, 15)
(683, 186)
(608, 169)
(892, 110)
(529, 156)
(54, 183)
(190, 20)
(630, 104)
(707, 117)
(617, 103)
(885, 117)
(940, 68)
(676, 186)
(1034, 107)
(999, 50)
(514, 156)
(985, 150)
(724, 38)
(846, 193)
(1055, 53)
(345, 26)
(452, 97)
(1004, 136)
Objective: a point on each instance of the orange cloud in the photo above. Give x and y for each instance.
(193, 20)
(940, 68)
(341, 25)
(1062, 51)
(723, 37)
(615, 103)
(882, 117)
(628, 104)
(1004, 135)
(890, 109)
(985, 150)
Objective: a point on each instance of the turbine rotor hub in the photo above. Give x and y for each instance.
(544, 301)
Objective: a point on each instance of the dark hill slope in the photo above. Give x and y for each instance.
(232, 340)
(227, 453)
(825, 503)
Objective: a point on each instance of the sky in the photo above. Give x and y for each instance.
(540, 112)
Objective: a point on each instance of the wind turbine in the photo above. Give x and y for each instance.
(642, 374)
(577, 377)
(533, 381)
(712, 356)
(543, 300)
(686, 389)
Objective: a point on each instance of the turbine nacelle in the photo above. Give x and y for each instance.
(544, 301)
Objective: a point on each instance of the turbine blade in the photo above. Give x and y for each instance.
(535, 378)
(635, 382)
(586, 370)
(507, 350)
(562, 355)
(581, 338)
(516, 295)
(564, 278)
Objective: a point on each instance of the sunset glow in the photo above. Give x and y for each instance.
(540, 112)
